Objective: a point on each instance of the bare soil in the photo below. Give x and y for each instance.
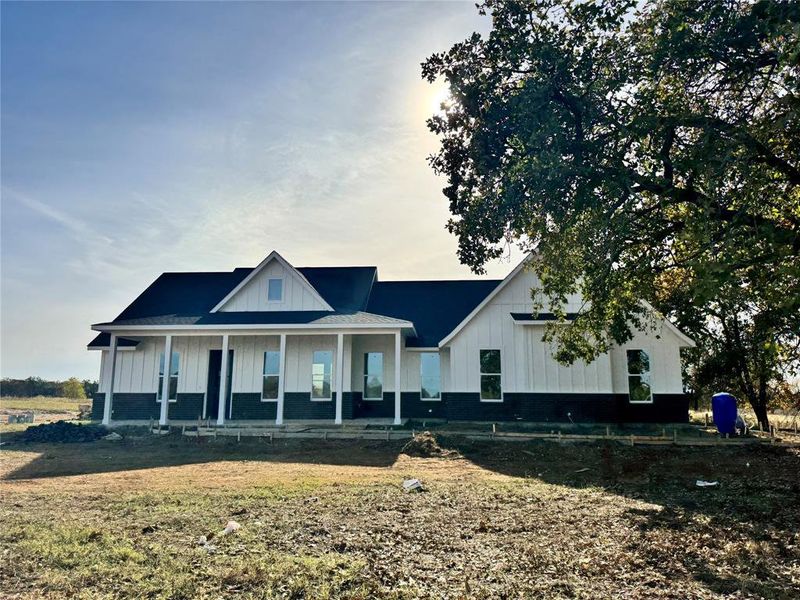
(330, 520)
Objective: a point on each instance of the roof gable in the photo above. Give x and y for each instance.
(250, 294)
(454, 332)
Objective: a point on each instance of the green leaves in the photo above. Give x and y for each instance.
(643, 150)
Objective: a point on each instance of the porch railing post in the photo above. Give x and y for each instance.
(110, 370)
(281, 381)
(162, 420)
(339, 377)
(223, 382)
(397, 352)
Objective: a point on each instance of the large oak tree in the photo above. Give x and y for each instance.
(641, 150)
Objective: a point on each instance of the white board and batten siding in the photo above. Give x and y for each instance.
(297, 294)
(527, 362)
(664, 349)
(409, 363)
(137, 371)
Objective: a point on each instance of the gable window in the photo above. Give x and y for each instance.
(275, 290)
(173, 377)
(373, 376)
(491, 389)
(639, 388)
(430, 379)
(270, 384)
(321, 375)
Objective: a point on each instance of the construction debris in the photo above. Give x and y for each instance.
(112, 437)
(701, 483)
(231, 527)
(413, 485)
(63, 432)
(425, 445)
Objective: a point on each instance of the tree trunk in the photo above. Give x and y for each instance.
(760, 408)
(759, 404)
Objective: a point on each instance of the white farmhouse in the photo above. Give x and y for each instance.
(277, 343)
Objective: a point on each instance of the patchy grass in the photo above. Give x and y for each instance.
(46, 409)
(42, 404)
(330, 520)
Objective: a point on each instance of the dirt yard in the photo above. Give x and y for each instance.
(44, 408)
(330, 520)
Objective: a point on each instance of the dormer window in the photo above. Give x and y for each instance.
(275, 290)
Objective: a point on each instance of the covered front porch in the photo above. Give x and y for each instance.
(252, 376)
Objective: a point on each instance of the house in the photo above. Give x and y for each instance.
(277, 343)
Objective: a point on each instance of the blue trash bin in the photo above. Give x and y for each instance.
(723, 408)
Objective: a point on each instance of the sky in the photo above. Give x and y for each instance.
(151, 137)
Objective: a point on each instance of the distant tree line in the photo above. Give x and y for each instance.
(36, 386)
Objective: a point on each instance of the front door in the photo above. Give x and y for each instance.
(214, 379)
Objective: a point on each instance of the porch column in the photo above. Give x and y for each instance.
(397, 378)
(110, 369)
(339, 377)
(162, 420)
(223, 382)
(281, 380)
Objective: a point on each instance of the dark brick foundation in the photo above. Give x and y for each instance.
(134, 407)
(373, 409)
(98, 405)
(413, 407)
(298, 405)
(187, 407)
(454, 406)
(561, 408)
(250, 406)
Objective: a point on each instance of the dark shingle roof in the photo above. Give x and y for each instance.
(435, 307)
(103, 340)
(283, 317)
(183, 294)
(344, 288)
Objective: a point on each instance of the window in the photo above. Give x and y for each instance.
(430, 376)
(321, 375)
(275, 290)
(272, 366)
(173, 377)
(639, 389)
(373, 376)
(490, 376)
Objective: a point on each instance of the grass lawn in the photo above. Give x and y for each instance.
(43, 404)
(330, 520)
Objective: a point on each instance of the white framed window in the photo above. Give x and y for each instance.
(430, 377)
(174, 371)
(491, 386)
(373, 376)
(640, 390)
(321, 368)
(275, 290)
(272, 376)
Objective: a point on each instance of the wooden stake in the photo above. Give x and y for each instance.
(631, 439)
(608, 431)
(674, 436)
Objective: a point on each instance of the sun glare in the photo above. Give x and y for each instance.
(439, 94)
